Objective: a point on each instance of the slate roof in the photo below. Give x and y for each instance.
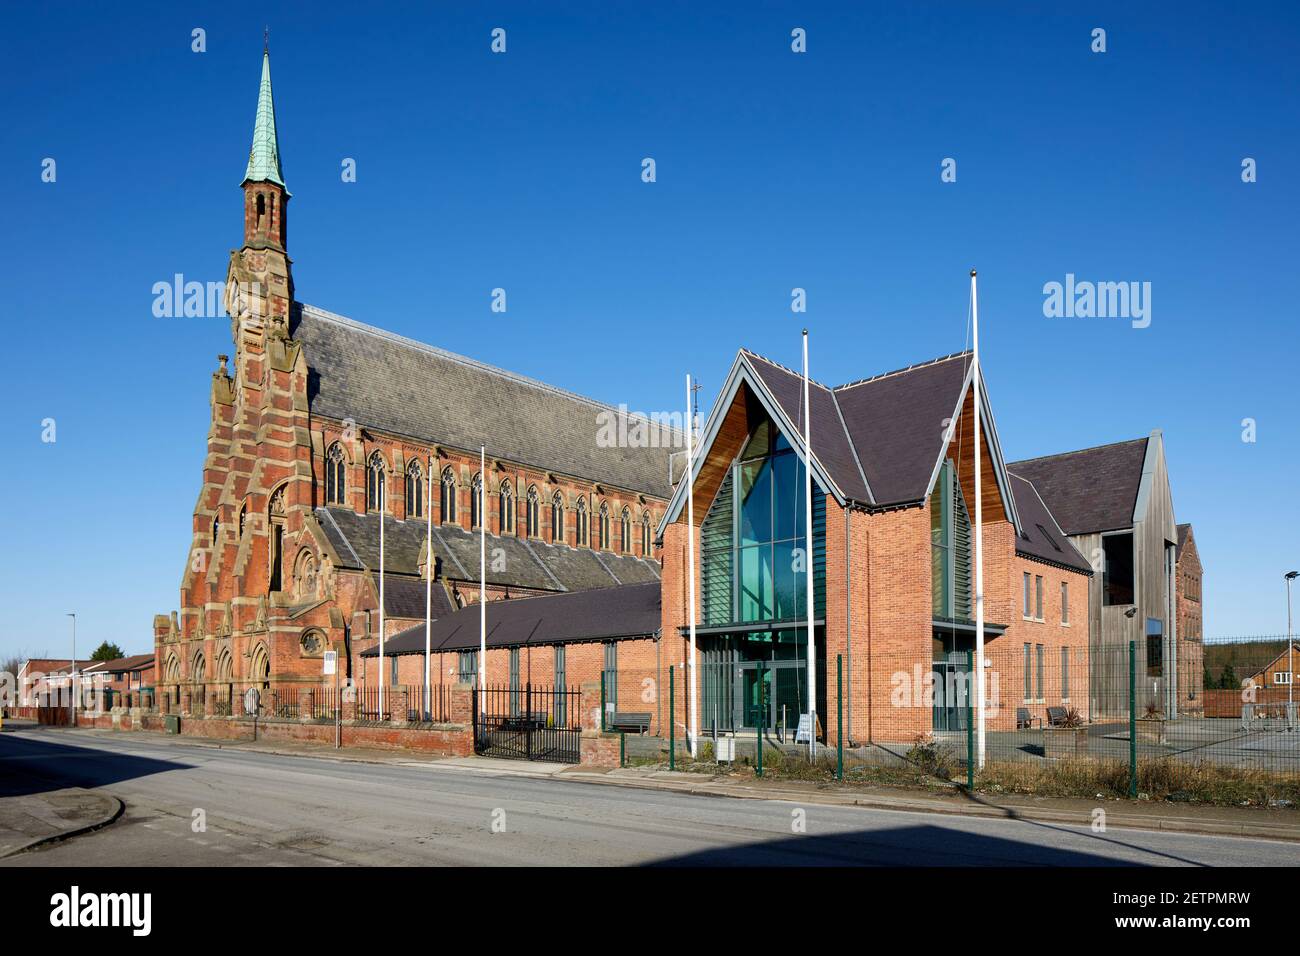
(512, 561)
(616, 613)
(121, 665)
(396, 385)
(1182, 536)
(878, 438)
(1090, 490)
(404, 596)
(1042, 537)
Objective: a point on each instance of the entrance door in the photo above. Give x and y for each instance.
(748, 697)
(951, 685)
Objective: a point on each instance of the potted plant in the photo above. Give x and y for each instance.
(1151, 726)
(1068, 737)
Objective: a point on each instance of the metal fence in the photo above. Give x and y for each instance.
(528, 722)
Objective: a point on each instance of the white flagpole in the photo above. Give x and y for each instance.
(979, 532)
(808, 559)
(383, 506)
(482, 579)
(428, 589)
(690, 565)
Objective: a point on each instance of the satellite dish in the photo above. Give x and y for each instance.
(251, 700)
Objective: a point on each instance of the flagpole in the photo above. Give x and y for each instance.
(482, 578)
(690, 565)
(808, 559)
(428, 589)
(979, 531)
(383, 505)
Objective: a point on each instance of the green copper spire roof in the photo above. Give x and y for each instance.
(264, 157)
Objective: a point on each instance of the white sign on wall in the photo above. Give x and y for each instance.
(331, 662)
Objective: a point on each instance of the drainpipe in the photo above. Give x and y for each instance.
(848, 620)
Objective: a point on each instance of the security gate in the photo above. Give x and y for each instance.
(528, 723)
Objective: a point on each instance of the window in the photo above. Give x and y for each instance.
(467, 667)
(625, 531)
(561, 699)
(414, 490)
(1065, 673)
(506, 504)
(645, 535)
(1038, 660)
(1029, 685)
(611, 676)
(216, 529)
(604, 526)
(1038, 597)
(375, 500)
(1155, 647)
(557, 518)
(1281, 677)
(950, 552)
(580, 523)
(531, 516)
(1065, 602)
(334, 472)
(1117, 568)
(447, 496)
(514, 681)
(243, 520)
(476, 501)
(392, 671)
(1028, 608)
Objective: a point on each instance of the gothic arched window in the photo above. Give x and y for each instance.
(531, 517)
(557, 518)
(580, 522)
(625, 531)
(645, 535)
(216, 529)
(476, 501)
(447, 502)
(375, 500)
(604, 525)
(506, 519)
(334, 472)
(414, 490)
(243, 520)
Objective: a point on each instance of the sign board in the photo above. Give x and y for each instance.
(331, 662)
(251, 698)
(804, 733)
(725, 749)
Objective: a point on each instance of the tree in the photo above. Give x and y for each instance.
(1208, 682)
(1229, 679)
(107, 652)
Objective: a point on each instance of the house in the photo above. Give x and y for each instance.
(121, 679)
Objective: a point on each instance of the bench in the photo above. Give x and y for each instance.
(1025, 720)
(1055, 716)
(638, 722)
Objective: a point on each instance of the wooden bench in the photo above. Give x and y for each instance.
(1055, 716)
(1026, 720)
(638, 722)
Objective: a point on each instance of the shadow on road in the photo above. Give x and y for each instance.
(38, 762)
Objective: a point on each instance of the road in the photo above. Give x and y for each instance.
(264, 809)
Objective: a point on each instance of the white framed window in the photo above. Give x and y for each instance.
(1282, 677)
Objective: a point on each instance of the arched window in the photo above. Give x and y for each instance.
(447, 502)
(506, 518)
(580, 522)
(604, 525)
(476, 501)
(414, 489)
(304, 577)
(259, 670)
(645, 535)
(199, 668)
(243, 520)
(557, 518)
(334, 471)
(531, 517)
(625, 532)
(216, 529)
(375, 500)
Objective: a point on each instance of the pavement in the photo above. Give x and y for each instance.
(204, 803)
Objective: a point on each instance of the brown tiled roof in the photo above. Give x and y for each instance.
(1090, 490)
(121, 665)
(616, 613)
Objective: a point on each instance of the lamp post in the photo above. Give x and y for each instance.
(1290, 667)
(73, 668)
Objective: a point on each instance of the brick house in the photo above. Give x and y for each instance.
(320, 424)
(893, 464)
(122, 678)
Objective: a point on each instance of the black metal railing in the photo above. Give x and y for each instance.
(528, 723)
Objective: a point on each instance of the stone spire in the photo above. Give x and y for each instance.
(264, 157)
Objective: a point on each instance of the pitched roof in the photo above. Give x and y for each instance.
(1183, 529)
(513, 561)
(878, 438)
(403, 387)
(121, 665)
(1090, 490)
(629, 611)
(1042, 538)
(264, 157)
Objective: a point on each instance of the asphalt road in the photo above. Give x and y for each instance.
(263, 809)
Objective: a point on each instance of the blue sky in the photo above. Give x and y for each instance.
(774, 170)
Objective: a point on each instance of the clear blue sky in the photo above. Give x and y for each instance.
(775, 170)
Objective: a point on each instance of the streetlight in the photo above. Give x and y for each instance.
(1290, 667)
(73, 669)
